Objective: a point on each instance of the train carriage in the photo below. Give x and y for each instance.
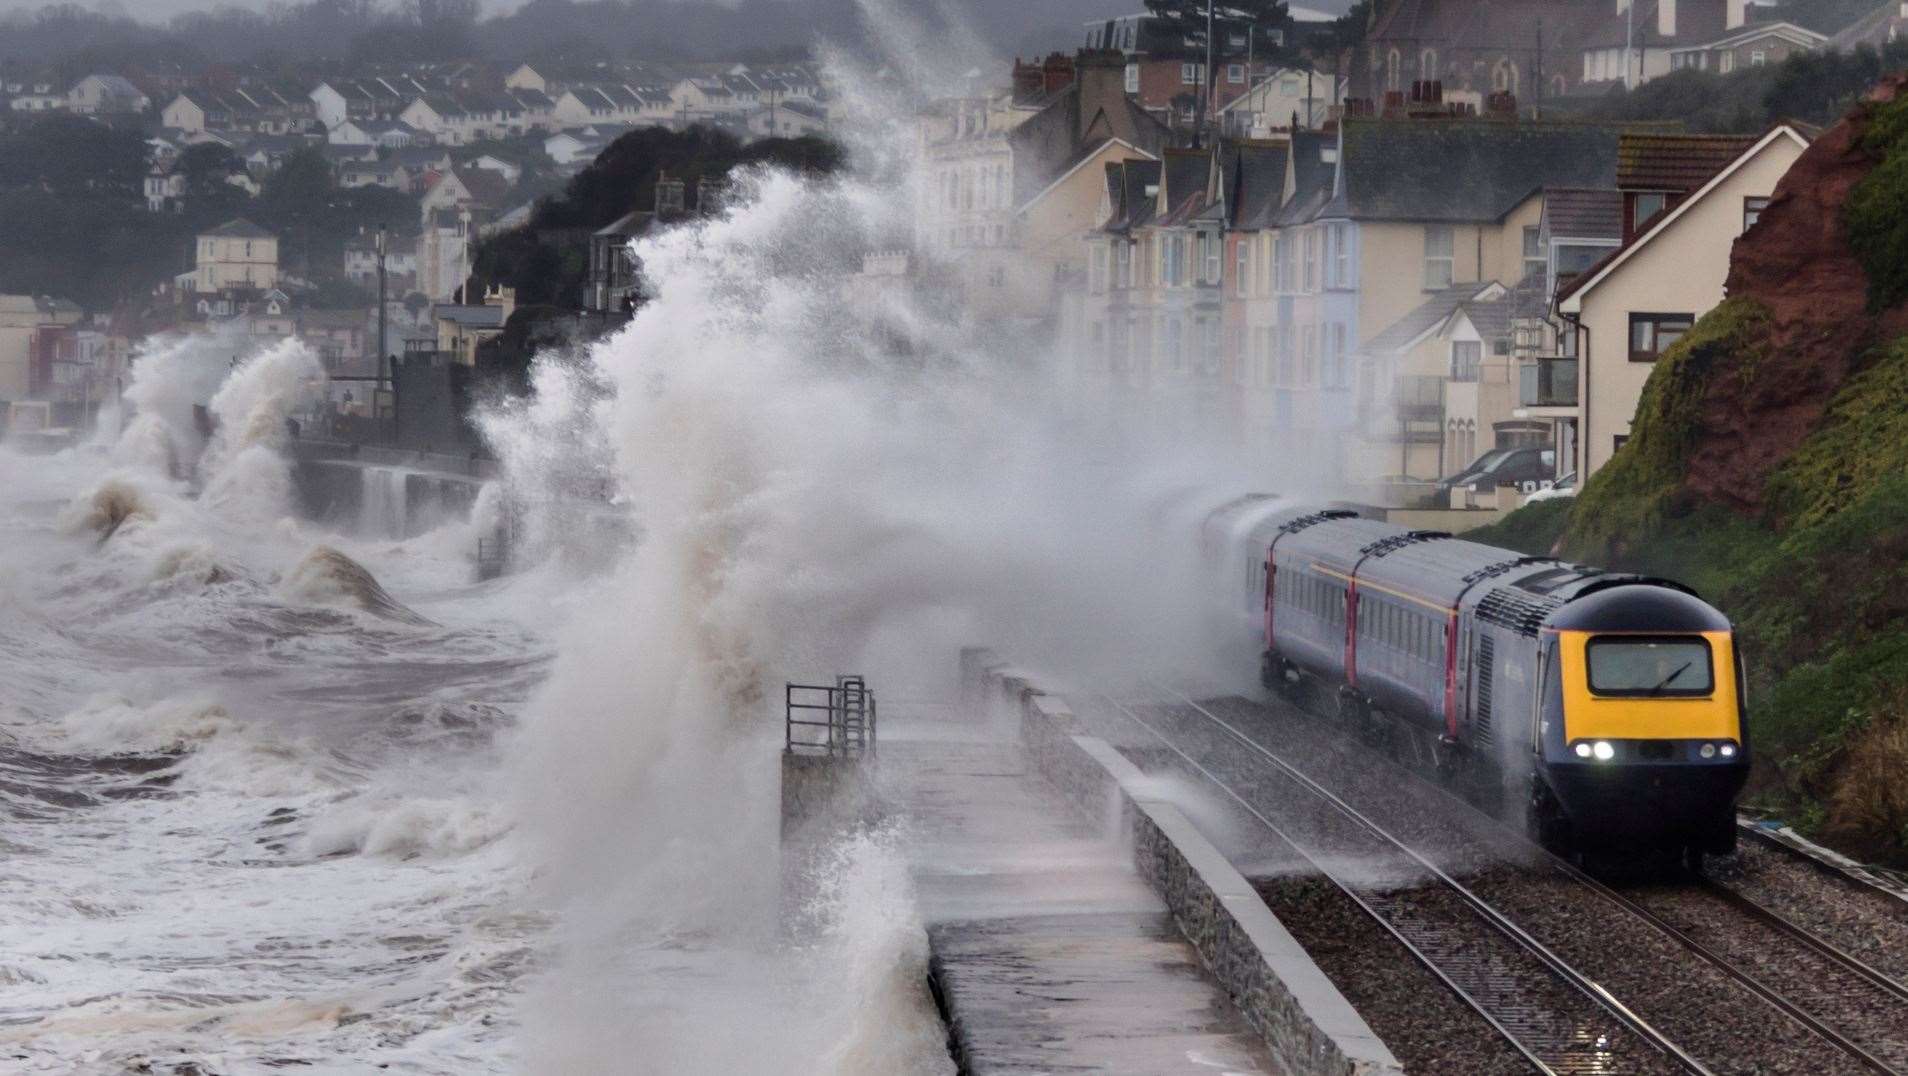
(1610, 703)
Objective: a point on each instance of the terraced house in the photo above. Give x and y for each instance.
(1315, 287)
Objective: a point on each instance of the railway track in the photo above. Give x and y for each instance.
(1558, 1018)
(1848, 1005)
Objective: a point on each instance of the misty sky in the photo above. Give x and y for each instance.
(160, 10)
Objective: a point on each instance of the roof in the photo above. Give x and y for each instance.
(1595, 274)
(1749, 32)
(485, 186)
(1183, 194)
(1465, 170)
(631, 223)
(1258, 184)
(1584, 212)
(1871, 29)
(1695, 23)
(1489, 25)
(1126, 191)
(1311, 176)
(1428, 315)
(470, 317)
(1491, 317)
(238, 229)
(1069, 128)
(1675, 162)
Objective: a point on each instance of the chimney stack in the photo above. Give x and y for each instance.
(1666, 17)
(1738, 13)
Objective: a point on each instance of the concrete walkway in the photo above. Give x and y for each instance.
(1049, 951)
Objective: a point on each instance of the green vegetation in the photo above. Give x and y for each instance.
(1817, 587)
(74, 222)
(1877, 209)
(1533, 529)
(1815, 87)
(1641, 488)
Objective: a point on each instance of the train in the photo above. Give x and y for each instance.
(1611, 705)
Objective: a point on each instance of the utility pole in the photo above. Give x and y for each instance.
(381, 309)
(1629, 42)
(1537, 96)
(1205, 106)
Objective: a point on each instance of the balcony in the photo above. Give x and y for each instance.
(1547, 383)
(1416, 398)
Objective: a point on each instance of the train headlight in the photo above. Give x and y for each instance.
(1729, 750)
(1707, 750)
(1603, 750)
(1583, 750)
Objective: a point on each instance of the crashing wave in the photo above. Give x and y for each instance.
(106, 509)
(328, 577)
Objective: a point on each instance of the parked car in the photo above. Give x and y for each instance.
(1564, 486)
(1521, 467)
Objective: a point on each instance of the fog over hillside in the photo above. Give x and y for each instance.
(690, 28)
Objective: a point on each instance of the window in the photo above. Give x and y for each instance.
(1466, 357)
(1281, 255)
(1308, 356)
(1645, 207)
(1439, 260)
(1132, 78)
(1652, 334)
(1341, 372)
(1242, 276)
(1752, 211)
(1311, 259)
(1235, 72)
(1757, 58)
(1728, 63)
(1634, 665)
(1189, 74)
(1123, 264)
(1341, 256)
(1533, 250)
(1211, 247)
(1096, 273)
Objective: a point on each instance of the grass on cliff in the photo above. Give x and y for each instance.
(1877, 208)
(1818, 589)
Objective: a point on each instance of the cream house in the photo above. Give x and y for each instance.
(236, 254)
(1625, 311)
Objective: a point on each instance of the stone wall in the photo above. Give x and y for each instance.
(1306, 1021)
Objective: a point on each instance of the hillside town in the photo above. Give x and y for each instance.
(1412, 236)
(928, 537)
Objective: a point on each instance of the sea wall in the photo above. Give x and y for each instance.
(1309, 1025)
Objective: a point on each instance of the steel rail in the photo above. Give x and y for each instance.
(1542, 1058)
(1747, 980)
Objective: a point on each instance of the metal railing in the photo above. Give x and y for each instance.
(846, 723)
(1547, 383)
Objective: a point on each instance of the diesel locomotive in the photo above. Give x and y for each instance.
(1610, 705)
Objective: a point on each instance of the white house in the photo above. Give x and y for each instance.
(510, 171)
(38, 97)
(526, 77)
(1276, 100)
(788, 119)
(106, 95)
(349, 133)
(1625, 311)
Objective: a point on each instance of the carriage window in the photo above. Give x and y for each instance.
(1638, 665)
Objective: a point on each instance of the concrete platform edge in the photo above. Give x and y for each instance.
(1303, 1017)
